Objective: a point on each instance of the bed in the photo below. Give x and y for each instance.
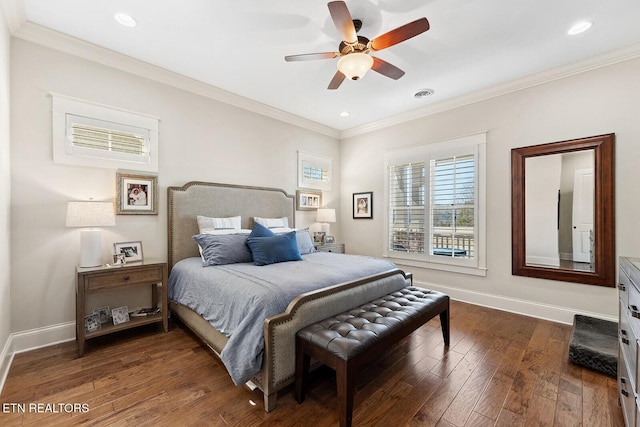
(277, 331)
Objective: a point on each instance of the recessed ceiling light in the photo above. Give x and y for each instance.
(126, 20)
(344, 114)
(423, 93)
(578, 28)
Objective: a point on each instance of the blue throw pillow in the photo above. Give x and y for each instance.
(223, 249)
(260, 230)
(273, 249)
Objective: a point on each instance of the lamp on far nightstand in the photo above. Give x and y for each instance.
(324, 217)
(90, 214)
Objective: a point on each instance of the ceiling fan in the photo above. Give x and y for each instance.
(354, 50)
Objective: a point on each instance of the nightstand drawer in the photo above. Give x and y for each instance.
(332, 247)
(98, 282)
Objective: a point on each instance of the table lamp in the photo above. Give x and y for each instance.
(90, 214)
(324, 216)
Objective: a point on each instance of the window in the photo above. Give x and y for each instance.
(435, 213)
(90, 134)
(314, 171)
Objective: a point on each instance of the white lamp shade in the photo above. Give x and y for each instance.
(90, 214)
(355, 65)
(326, 215)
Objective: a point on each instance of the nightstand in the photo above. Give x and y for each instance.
(331, 247)
(112, 279)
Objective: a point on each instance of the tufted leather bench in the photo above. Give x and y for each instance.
(348, 340)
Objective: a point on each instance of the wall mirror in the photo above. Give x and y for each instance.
(563, 219)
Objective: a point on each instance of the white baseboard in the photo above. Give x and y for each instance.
(19, 342)
(43, 337)
(527, 308)
(6, 357)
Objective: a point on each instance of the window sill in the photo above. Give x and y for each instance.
(474, 271)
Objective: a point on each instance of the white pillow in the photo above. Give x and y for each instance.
(230, 223)
(273, 222)
(221, 231)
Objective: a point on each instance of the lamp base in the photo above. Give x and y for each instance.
(324, 226)
(90, 248)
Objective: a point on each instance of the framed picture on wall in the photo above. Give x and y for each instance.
(137, 194)
(363, 205)
(308, 200)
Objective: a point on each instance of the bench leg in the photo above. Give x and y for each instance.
(444, 323)
(302, 371)
(345, 384)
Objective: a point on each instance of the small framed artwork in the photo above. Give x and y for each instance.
(119, 259)
(318, 237)
(137, 194)
(308, 200)
(363, 205)
(120, 315)
(132, 251)
(329, 239)
(103, 314)
(92, 323)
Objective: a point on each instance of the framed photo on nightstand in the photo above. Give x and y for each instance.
(103, 314)
(92, 323)
(120, 315)
(132, 251)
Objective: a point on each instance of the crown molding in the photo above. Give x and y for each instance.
(547, 76)
(40, 35)
(55, 40)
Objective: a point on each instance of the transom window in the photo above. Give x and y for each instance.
(91, 134)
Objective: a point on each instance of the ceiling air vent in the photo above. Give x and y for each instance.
(423, 93)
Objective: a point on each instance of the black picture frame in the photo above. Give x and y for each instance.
(363, 205)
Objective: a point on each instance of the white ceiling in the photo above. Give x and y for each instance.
(239, 46)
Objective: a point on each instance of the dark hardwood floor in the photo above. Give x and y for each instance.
(501, 369)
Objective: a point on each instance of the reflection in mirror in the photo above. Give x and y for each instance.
(559, 201)
(562, 219)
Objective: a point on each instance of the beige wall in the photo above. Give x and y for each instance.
(593, 103)
(200, 139)
(5, 188)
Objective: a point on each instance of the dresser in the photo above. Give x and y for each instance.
(628, 341)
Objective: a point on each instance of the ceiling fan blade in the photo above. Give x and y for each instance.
(386, 69)
(342, 20)
(336, 81)
(311, 56)
(400, 34)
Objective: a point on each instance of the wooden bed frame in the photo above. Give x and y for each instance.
(224, 200)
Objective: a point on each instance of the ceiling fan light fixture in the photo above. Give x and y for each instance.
(355, 65)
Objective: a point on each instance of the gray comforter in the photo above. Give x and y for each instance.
(236, 298)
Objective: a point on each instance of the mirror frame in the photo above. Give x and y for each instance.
(604, 273)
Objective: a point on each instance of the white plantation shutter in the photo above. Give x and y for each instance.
(98, 138)
(95, 138)
(407, 208)
(452, 208)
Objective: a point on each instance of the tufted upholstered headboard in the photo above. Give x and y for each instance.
(218, 200)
